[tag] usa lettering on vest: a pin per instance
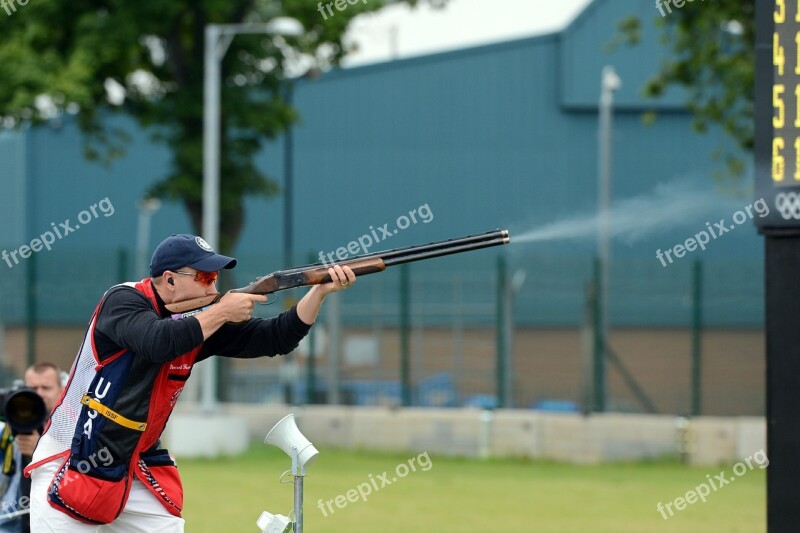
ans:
(87, 427)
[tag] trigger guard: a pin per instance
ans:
(268, 302)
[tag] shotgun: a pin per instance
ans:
(317, 273)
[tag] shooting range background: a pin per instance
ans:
(502, 135)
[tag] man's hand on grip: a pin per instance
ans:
(237, 306)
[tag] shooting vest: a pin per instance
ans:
(104, 437)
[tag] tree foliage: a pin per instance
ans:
(67, 57)
(713, 57)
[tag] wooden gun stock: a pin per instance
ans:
(368, 264)
(360, 267)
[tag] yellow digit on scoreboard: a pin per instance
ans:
(778, 163)
(778, 56)
(777, 102)
(780, 14)
(797, 159)
(797, 42)
(797, 105)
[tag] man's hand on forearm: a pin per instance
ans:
(308, 306)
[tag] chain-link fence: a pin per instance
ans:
(470, 330)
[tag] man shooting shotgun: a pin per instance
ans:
(366, 264)
(135, 360)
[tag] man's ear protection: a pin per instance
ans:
(171, 281)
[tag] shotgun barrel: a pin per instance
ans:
(451, 246)
(378, 261)
(397, 256)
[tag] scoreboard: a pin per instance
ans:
(777, 181)
(777, 112)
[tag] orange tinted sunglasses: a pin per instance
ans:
(206, 278)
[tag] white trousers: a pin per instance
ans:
(142, 514)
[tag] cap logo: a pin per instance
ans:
(203, 244)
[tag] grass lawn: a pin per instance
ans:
(446, 494)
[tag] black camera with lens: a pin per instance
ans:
(22, 409)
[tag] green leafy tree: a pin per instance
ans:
(72, 57)
(713, 57)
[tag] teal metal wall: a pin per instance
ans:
(503, 135)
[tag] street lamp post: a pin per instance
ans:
(610, 83)
(288, 184)
(218, 38)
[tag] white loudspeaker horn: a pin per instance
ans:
(287, 437)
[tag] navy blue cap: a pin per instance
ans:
(178, 251)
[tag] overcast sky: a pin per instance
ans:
(461, 24)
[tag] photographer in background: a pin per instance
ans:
(45, 380)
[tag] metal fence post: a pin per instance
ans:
(311, 383)
(588, 349)
(697, 332)
(405, 316)
(31, 282)
(458, 338)
(500, 333)
(508, 334)
(334, 320)
(600, 344)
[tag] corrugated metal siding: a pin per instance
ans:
(481, 137)
(65, 184)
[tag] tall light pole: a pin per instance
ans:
(288, 187)
(610, 83)
(218, 39)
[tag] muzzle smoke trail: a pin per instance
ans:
(668, 206)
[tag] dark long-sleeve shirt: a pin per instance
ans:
(127, 320)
